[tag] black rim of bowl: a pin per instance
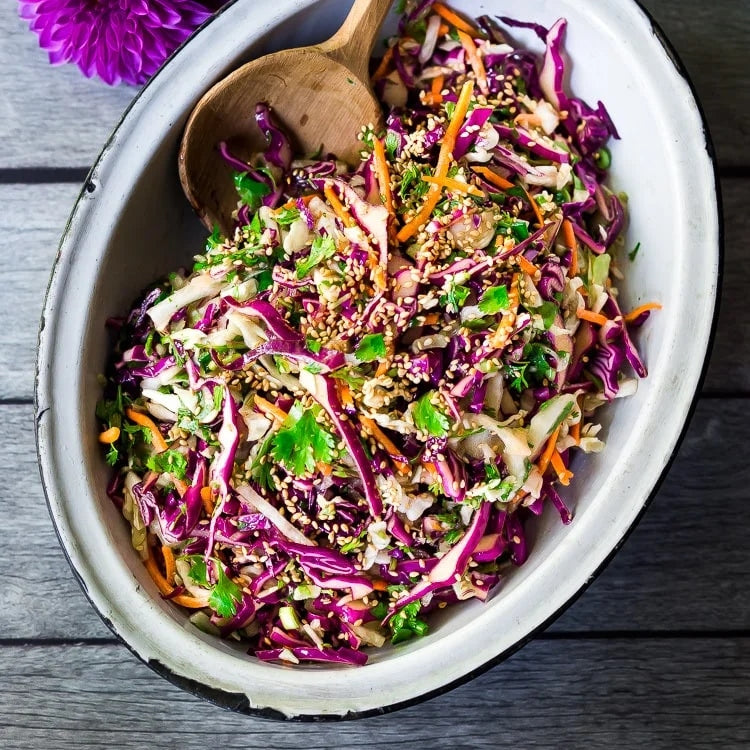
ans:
(239, 702)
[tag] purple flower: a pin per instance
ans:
(121, 41)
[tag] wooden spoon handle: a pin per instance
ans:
(352, 44)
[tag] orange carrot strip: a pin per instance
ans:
(324, 468)
(454, 20)
(563, 474)
(169, 566)
(526, 265)
(592, 317)
(345, 394)
(269, 409)
(383, 175)
(549, 449)
(431, 319)
(436, 90)
(572, 244)
(166, 589)
(444, 160)
(208, 501)
(379, 584)
(472, 55)
(157, 439)
(629, 318)
(372, 427)
(443, 29)
(456, 185)
(109, 436)
(575, 432)
(494, 178)
(534, 208)
(382, 70)
(338, 207)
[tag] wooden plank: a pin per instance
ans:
(663, 694)
(684, 568)
(56, 117)
(34, 216)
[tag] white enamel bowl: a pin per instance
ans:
(132, 224)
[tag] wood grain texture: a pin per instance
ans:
(33, 95)
(572, 694)
(31, 239)
(683, 569)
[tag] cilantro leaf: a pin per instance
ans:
(314, 345)
(168, 462)
(322, 248)
(411, 180)
(516, 371)
(264, 280)
(494, 300)
(251, 191)
(491, 472)
(428, 418)
(112, 455)
(391, 144)
(371, 347)
(286, 216)
(455, 297)
(302, 441)
(547, 311)
(536, 354)
(225, 593)
(215, 240)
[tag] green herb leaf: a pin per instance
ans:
(428, 418)
(264, 280)
(112, 455)
(250, 191)
(491, 472)
(494, 300)
(548, 312)
(371, 347)
(168, 462)
(516, 372)
(455, 297)
(302, 441)
(405, 624)
(215, 240)
(536, 354)
(225, 593)
(260, 469)
(412, 184)
(314, 345)
(634, 252)
(286, 216)
(322, 248)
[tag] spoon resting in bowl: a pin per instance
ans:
(320, 95)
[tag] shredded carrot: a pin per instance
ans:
(563, 474)
(379, 584)
(592, 317)
(575, 432)
(372, 427)
(456, 185)
(307, 198)
(494, 178)
(549, 449)
(527, 118)
(269, 409)
(166, 589)
(534, 208)
(629, 318)
(109, 436)
(453, 19)
(169, 566)
(181, 485)
(338, 207)
(208, 500)
(527, 266)
(444, 160)
(572, 244)
(382, 369)
(384, 177)
(345, 394)
(382, 70)
(431, 319)
(443, 29)
(157, 439)
(436, 90)
(472, 55)
(324, 468)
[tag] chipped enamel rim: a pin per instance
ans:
(480, 637)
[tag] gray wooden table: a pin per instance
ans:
(655, 654)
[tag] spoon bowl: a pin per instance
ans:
(320, 95)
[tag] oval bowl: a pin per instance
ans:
(132, 224)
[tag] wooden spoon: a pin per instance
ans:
(320, 95)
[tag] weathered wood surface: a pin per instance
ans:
(685, 568)
(655, 654)
(55, 117)
(34, 216)
(624, 694)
